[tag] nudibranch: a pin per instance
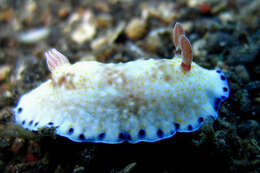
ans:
(142, 100)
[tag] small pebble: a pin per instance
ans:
(34, 35)
(78, 169)
(83, 33)
(253, 85)
(4, 71)
(242, 72)
(98, 43)
(108, 38)
(136, 29)
(246, 127)
(226, 17)
(103, 20)
(163, 11)
(152, 42)
(88, 57)
(216, 42)
(18, 143)
(198, 48)
(102, 6)
(187, 26)
(219, 7)
(257, 99)
(6, 15)
(129, 168)
(63, 13)
(243, 54)
(86, 30)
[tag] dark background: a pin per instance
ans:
(223, 34)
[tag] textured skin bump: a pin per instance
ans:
(143, 100)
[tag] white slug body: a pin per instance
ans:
(142, 100)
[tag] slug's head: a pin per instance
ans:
(30, 104)
(24, 109)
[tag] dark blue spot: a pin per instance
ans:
(128, 137)
(190, 127)
(20, 110)
(101, 136)
(81, 136)
(172, 132)
(177, 126)
(36, 124)
(121, 136)
(23, 122)
(217, 104)
(71, 130)
(200, 119)
(225, 89)
(50, 123)
(223, 77)
(141, 133)
(223, 97)
(124, 136)
(31, 122)
(218, 71)
(159, 133)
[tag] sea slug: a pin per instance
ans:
(142, 100)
